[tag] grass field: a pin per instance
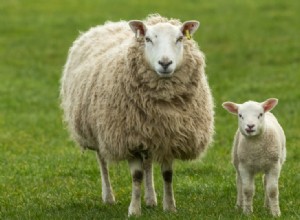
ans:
(252, 50)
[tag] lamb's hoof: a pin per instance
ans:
(151, 202)
(275, 213)
(247, 210)
(134, 211)
(170, 208)
(109, 199)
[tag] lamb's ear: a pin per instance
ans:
(138, 27)
(231, 107)
(269, 104)
(188, 28)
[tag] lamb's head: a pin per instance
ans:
(164, 44)
(251, 115)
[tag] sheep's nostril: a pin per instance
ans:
(166, 64)
(250, 126)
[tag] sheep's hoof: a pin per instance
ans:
(134, 211)
(151, 202)
(275, 212)
(109, 199)
(247, 210)
(170, 208)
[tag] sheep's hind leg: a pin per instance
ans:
(107, 193)
(167, 173)
(136, 170)
(150, 195)
(272, 191)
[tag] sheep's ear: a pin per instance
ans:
(269, 104)
(188, 28)
(231, 107)
(138, 27)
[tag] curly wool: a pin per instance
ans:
(262, 152)
(115, 103)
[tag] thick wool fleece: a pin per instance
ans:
(259, 153)
(115, 103)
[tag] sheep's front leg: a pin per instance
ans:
(107, 193)
(150, 195)
(272, 191)
(239, 200)
(248, 188)
(167, 173)
(266, 203)
(136, 170)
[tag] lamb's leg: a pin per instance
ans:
(136, 170)
(247, 189)
(150, 195)
(167, 173)
(239, 202)
(107, 193)
(266, 204)
(272, 190)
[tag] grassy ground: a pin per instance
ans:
(252, 50)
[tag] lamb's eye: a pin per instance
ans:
(260, 115)
(179, 39)
(240, 116)
(148, 40)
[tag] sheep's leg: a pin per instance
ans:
(167, 173)
(247, 189)
(107, 193)
(136, 170)
(239, 202)
(272, 190)
(266, 203)
(150, 195)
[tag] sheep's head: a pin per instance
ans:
(251, 115)
(164, 44)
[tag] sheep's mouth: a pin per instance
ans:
(165, 73)
(249, 131)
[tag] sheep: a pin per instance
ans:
(137, 91)
(259, 146)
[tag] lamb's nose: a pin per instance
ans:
(165, 64)
(250, 126)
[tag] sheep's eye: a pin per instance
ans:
(260, 115)
(148, 40)
(240, 116)
(179, 39)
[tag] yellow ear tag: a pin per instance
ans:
(187, 34)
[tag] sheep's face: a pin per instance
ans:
(163, 44)
(251, 118)
(251, 115)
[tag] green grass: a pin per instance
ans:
(252, 50)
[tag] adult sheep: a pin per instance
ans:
(137, 91)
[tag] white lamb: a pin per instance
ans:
(137, 91)
(259, 146)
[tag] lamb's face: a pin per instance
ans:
(251, 118)
(251, 115)
(164, 44)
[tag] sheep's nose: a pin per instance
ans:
(165, 64)
(250, 126)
